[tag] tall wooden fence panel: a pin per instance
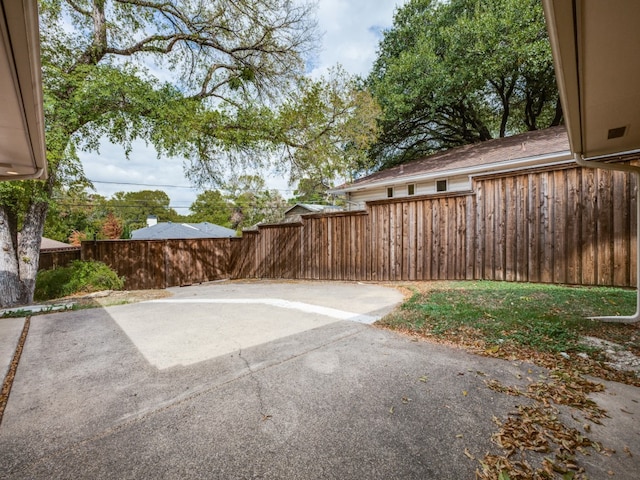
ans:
(156, 264)
(565, 225)
(58, 258)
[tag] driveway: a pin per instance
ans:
(278, 380)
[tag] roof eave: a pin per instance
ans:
(496, 167)
(22, 140)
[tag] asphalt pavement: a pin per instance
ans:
(264, 380)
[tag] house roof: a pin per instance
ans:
(49, 244)
(311, 207)
(169, 230)
(22, 146)
(597, 66)
(518, 151)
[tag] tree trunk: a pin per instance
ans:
(19, 258)
(10, 285)
(29, 248)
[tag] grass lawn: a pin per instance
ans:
(517, 319)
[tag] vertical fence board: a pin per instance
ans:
(620, 228)
(588, 233)
(533, 226)
(481, 226)
(559, 220)
(500, 227)
(546, 225)
(604, 243)
(573, 227)
(633, 222)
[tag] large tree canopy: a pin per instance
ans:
(459, 72)
(181, 75)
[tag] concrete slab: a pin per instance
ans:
(362, 298)
(10, 331)
(325, 398)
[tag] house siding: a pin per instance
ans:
(460, 183)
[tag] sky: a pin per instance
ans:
(351, 32)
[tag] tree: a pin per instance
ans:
(321, 130)
(252, 203)
(213, 207)
(228, 58)
(309, 190)
(112, 227)
(459, 72)
(133, 208)
(74, 210)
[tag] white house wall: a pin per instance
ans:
(358, 199)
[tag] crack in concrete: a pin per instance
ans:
(169, 404)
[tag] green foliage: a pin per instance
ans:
(73, 209)
(134, 207)
(309, 190)
(322, 129)
(79, 277)
(327, 127)
(213, 207)
(548, 318)
(252, 203)
(463, 71)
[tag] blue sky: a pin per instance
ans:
(351, 32)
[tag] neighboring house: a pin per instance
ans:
(56, 254)
(47, 244)
(169, 230)
(293, 213)
(453, 170)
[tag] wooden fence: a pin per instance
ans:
(148, 264)
(60, 257)
(566, 225)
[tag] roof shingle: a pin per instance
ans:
(526, 145)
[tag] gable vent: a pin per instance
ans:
(616, 132)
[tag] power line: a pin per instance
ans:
(107, 207)
(142, 184)
(172, 186)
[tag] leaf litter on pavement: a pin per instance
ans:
(535, 442)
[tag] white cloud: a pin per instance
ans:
(351, 32)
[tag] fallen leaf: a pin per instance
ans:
(405, 400)
(464, 392)
(391, 410)
(493, 349)
(468, 454)
(627, 451)
(423, 379)
(459, 435)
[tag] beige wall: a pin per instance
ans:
(460, 183)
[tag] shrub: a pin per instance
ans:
(78, 277)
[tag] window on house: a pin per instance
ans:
(411, 189)
(441, 186)
(390, 192)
